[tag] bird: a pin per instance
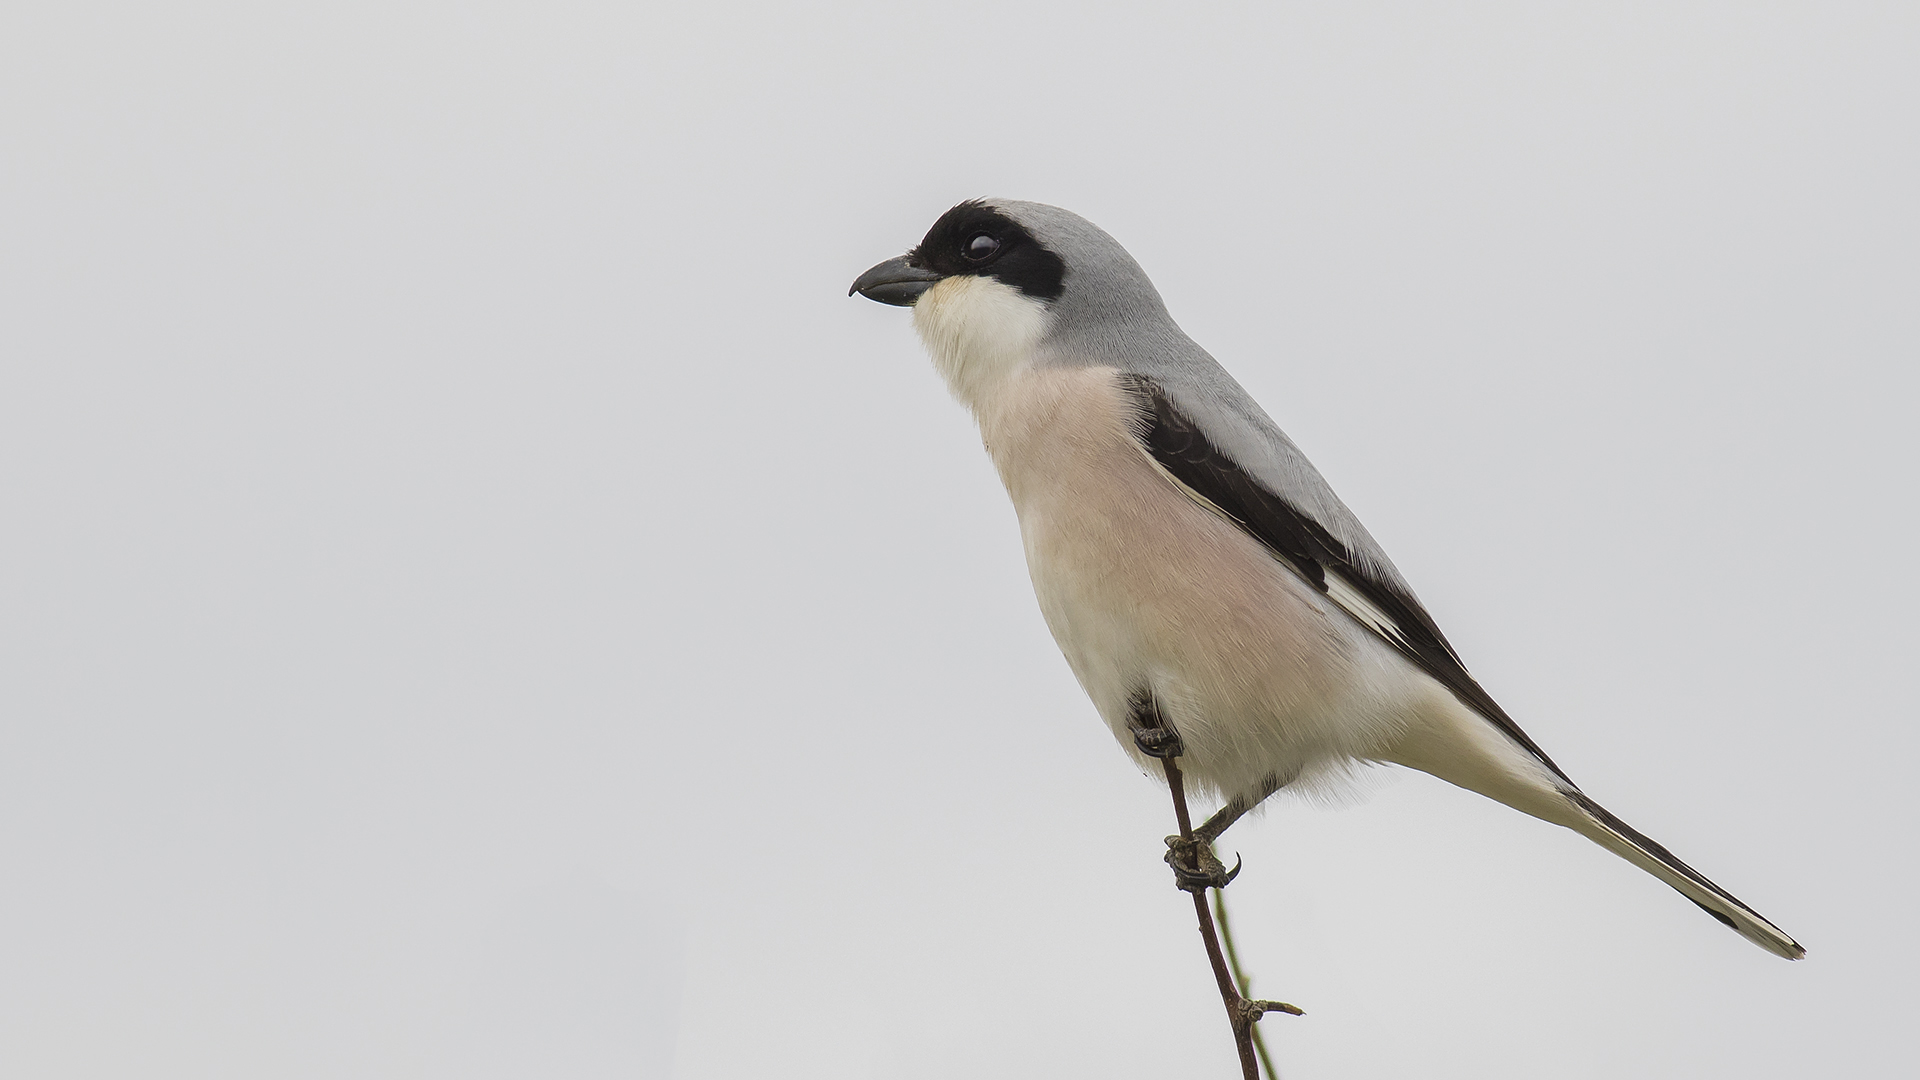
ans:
(1210, 592)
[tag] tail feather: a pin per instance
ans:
(1459, 746)
(1617, 836)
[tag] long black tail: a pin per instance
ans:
(1600, 826)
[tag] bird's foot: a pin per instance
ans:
(1157, 742)
(1195, 867)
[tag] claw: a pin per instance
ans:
(1157, 742)
(1196, 868)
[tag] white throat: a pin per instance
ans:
(980, 331)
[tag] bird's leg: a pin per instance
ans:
(1195, 867)
(1236, 808)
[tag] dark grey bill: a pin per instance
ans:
(895, 282)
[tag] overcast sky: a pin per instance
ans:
(478, 599)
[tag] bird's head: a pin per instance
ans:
(994, 279)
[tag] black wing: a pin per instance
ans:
(1310, 550)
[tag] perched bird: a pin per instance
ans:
(1210, 592)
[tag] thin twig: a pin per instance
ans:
(1238, 1012)
(1242, 979)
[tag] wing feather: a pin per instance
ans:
(1377, 600)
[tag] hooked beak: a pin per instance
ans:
(895, 282)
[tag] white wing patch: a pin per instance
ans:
(1356, 604)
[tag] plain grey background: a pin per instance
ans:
(480, 601)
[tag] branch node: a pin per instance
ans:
(1254, 1010)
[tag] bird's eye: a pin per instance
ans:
(981, 246)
